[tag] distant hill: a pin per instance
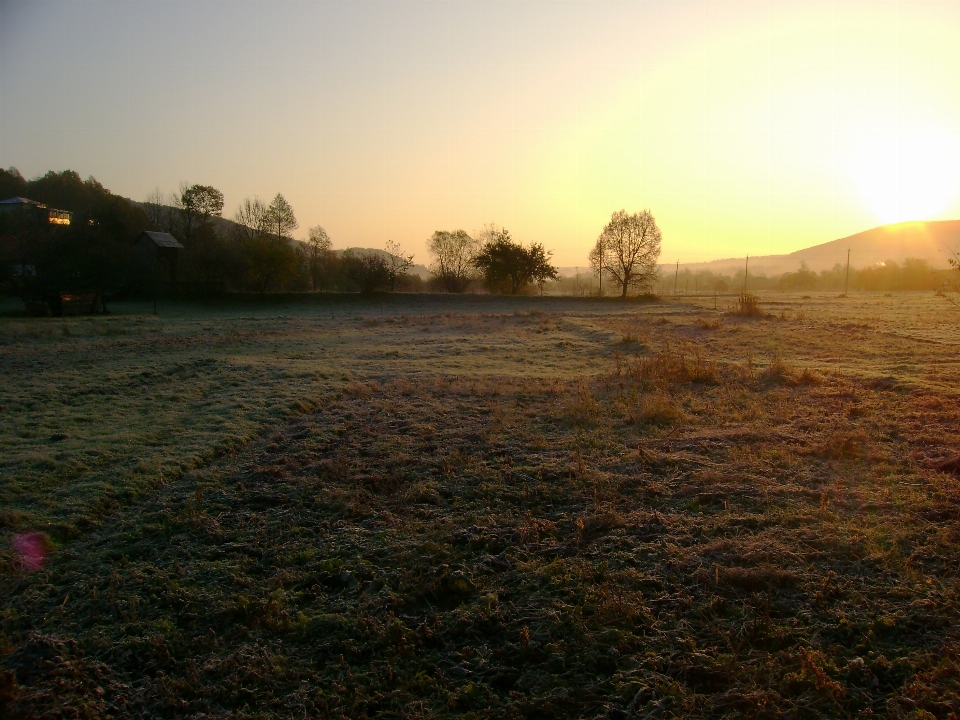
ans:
(933, 241)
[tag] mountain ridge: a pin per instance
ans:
(935, 241)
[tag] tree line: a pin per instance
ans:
(255, 249)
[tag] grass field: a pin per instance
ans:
(485, 507)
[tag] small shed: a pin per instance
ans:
(160, 250)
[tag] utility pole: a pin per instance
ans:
(675, 276)
(746, 270)
(846, 282)
(600, 267)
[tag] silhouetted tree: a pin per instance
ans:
(280, 218)
(507, 266)
(541, 269)
(12, 184)
(397, 263)
(197, 204)
(250, 219)
(158, 213)
(319, 256)
(627, 250)
(207, 258)
(453, 255)
(270, 262)
(368, 271)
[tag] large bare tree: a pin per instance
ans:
(156, 210)
(251, 219)
(627, 250)
(453, 254)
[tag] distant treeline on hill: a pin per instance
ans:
(911, 274)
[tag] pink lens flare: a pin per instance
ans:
(33, 549)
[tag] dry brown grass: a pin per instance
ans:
(490, 535)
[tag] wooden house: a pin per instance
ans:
(160, 251)
(44, 214)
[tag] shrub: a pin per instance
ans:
(747, 305)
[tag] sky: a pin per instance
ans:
(745, 127)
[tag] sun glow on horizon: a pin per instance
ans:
(906, 175)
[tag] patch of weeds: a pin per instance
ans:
(778, 371)
(808, 376)
(747, 306)
(668, 368)
(657, 409)
(845, 445)
(583, 408)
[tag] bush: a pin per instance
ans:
(747, 305)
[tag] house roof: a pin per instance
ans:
(162, 239)
(21, 201)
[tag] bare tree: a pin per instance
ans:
(627, 250)
(397, 263)
(368, 271)
(280, 217)
(156, 210)
(453, 254)
(251, 219)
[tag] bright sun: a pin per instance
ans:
(906, 174)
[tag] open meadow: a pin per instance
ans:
(490, 507)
